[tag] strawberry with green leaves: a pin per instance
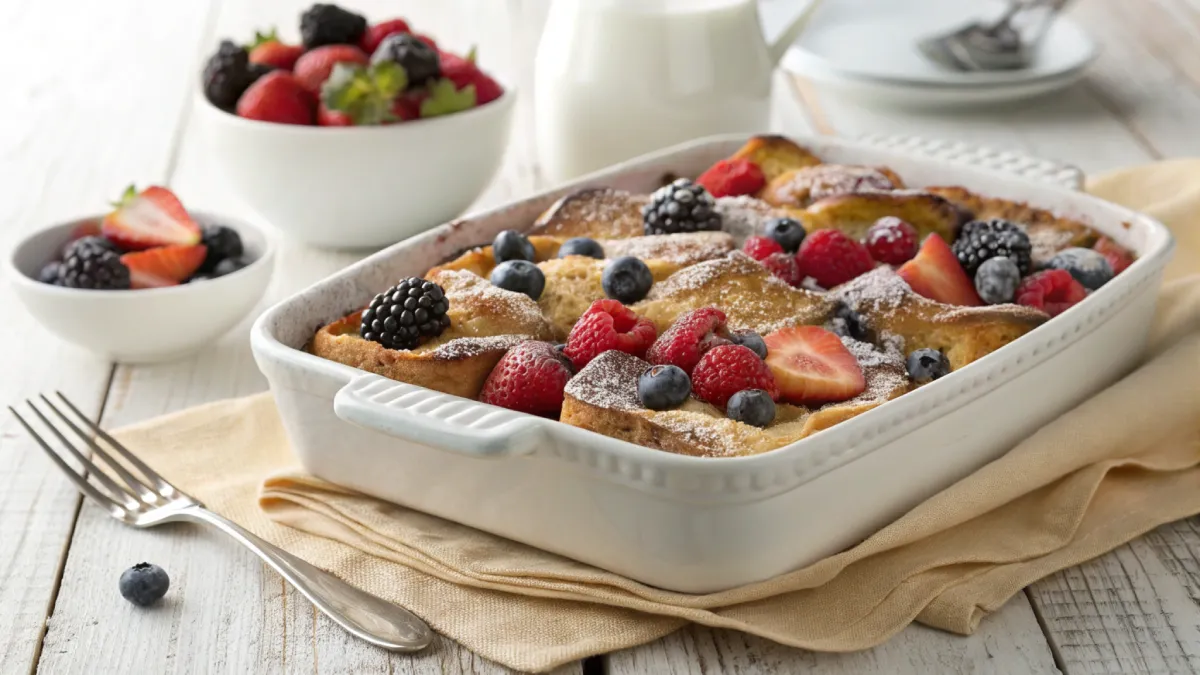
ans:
(268, 50)
(445, 98)
(363, 95)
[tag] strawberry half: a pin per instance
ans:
(163, 266)
(812, 366)
(152, 217)
(935, 273)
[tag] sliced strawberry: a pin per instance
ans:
(163, 266)
(152, 217)
(812, 366)
(936, 274)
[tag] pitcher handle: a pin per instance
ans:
(790, 34)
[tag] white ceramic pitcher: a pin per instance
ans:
(618, 78)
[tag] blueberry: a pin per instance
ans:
(927, 365)
(663, 387)
(849, 323)
(787, 231)
(49, 273)
(997, 280)
(749, 338)
(751, 406)
(1087, 266)
(519, 276)
(144, 584)
(512, 245)
(581, 246)
(221, 243)
(626, 279)
(229, 266)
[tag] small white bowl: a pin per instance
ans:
(360, 187)
(147, 325)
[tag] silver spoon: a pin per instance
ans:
(1007, 43)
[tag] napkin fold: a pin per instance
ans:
(1118, 465)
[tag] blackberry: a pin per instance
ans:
(222, 242)
(324, 24)
(93, 267)
(257, 70)
(400, 316)
(983, 239)
(226, 75)
(420, 61)
(682, 206)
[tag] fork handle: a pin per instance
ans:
(364, 615)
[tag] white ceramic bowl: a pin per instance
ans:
(148, 325)
(360, 187)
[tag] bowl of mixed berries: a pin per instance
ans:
(147, 281)
(360, 135)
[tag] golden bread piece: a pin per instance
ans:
(775, 155)
(751, 297)
(602, 397)
(682, 249)
(481, 261)
(599, 213)
(745, 216)
(890, 308)
(573, 283)
(800, 187)
(484, 322)
(853, 214)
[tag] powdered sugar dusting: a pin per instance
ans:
(475, 302)
(468, 347)
(616, 208)
(681, 249)
(883, 367)
(609, 381)
(1048, 241)
(702, 274)
(827, 180)
(879, 291)
(745, 216)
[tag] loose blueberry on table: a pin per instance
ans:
(144, 584)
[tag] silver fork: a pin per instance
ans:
(1006, 43)
(149, 500)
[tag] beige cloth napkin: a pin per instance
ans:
(1115, 467)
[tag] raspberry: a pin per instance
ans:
(724, 371)
(688, 338)
(529, 378)
(761, 247)
(732, 178)
(1117, 256)
(832, 258)
(785, 267)
(606, 325)
(1053, 291)
(891, 240)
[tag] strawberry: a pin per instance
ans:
(936, 274)
(529, 378)
(733, 178)
(163, 266)
(1117, 256)
(427, 40)
(314, 67)
(278, 97)
(812, 366)
(363, 95)
(464, 72)
(375, 34)
(332, 118)
(152, 217)
(407, 106)
(269, 51)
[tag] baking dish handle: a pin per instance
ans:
(437, 420)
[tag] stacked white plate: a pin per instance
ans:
(867, 49)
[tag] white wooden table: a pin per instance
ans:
(97, 93)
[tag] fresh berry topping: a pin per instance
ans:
(314, 67)
(407, 106)
(606, 325)
(748, 338)
(849, 323)
(583, 246)
(784, 266)
(751, 406)
(891, 241)
(732, 178)
(226, 75)
(360, 95)
(682, 206)
(419, 60)
(92, 241)
(163, 266)
(1090, 268)
(222, 242)
(278, 97)
(401, 316)
(257, 71)
(997, 280)
(813, 366)
(464, 73)
(512, 245)
(229, 266)
(927, 365)
(832, 258)
(152, 217)
(94, 268)
(375, 33)
(144, 584)
(267, 50)
(519, 276)
(761, 247)
(626, 279)
(687, 339)
(1052, 291)
(787, 231)
(727, 369)
(983, 239)
(332, 118)
(324, 24)
(444, 98)
(529, 378)
(663, 387)
(429, 41)
(49, 274)
(1118, 258)
(936, 274)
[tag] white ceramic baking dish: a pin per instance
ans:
(686, 523)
